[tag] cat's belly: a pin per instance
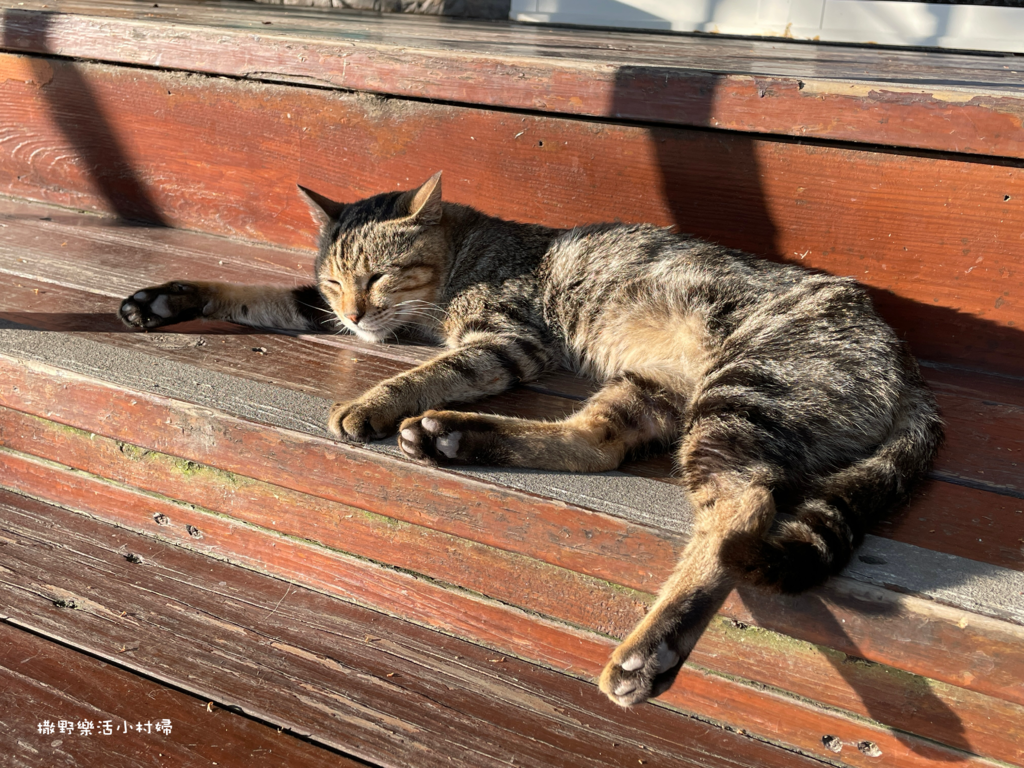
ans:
(667, 347)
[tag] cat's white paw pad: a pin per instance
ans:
(626, 686)
(640, 675)
(448, 444)
(431, 439)
(161, 305)
(633, 663)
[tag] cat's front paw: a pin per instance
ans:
(638, 672)
(161, 305)
(360, 421)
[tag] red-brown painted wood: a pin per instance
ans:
(943, 713)
(985, 440)
(856, 619)
(42, 681)
(985, 421)
(936, 239)
(511, 578)
(347, 674)
(755, 709)
(925, 100)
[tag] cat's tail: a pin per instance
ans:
(803, 552)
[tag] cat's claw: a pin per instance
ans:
(634, 675)
(160, 305)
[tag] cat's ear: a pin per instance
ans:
(323, 210)
(425, 206)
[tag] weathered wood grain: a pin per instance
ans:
(984, 444)
(986, 423)
(943, 713)
(326, 667)
(940, 101)
(855, 619)
(43, 681)
(695, 690)
(934, 238)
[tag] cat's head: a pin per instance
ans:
(382, 259)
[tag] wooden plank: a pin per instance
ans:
(934, 238)
(939, 101)
(725, 697)
(943, 713)
(984, 446)
(984, 442)
(974, 586)
(844, 615)
(986, 420)
(45, 681)
(341, 672)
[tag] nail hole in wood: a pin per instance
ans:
(194, 532)
(870, 749)
(832, 743)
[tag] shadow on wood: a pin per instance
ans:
(76, 113)
(692, 202)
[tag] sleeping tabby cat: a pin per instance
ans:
(780, 389)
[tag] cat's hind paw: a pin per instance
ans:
(161, 305)
(451, 437)
(430, 438)
(635, 675)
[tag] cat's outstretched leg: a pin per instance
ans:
(264, 306)
(647, 661)
(627, 413)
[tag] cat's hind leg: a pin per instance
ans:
(647, 661)
(265, 306)
(626, 414)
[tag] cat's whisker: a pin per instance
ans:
(426, 306)
(424, 315)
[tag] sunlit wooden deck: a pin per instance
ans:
(178, 529)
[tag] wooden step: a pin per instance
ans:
(65, 707)
(342, 677)
(956, 102)
(198, 433)
(936, 237)
(206, 442)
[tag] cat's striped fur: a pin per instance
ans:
(780, 389)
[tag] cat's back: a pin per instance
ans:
(681, 311)
(625, 297)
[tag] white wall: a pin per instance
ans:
(972, 27)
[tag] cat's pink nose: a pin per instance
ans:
(355, 317)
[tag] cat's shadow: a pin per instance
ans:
(107, 322)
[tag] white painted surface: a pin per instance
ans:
(970, 27)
